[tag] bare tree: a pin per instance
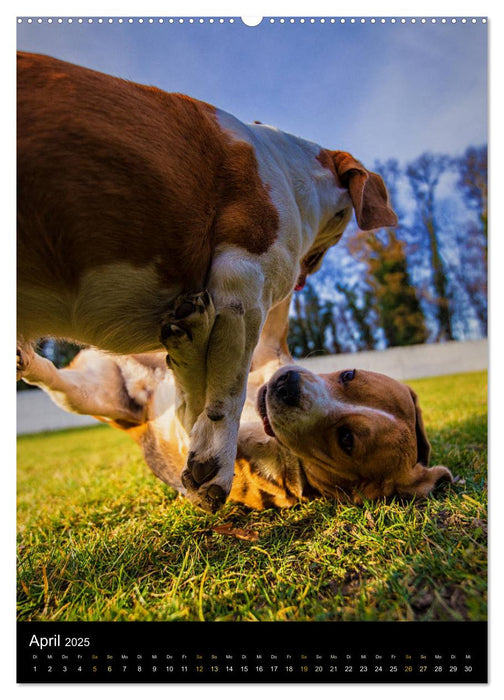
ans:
(424, 175)
(473, 241)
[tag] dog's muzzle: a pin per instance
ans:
(287, 388)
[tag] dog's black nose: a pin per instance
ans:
(287, 387)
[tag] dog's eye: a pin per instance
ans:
(339, 215)
(346, 440)
(347, 376)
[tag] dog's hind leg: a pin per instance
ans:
(24, 358)
(92, 385)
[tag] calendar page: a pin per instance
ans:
(252, 349)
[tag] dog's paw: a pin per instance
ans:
(209, 496)
(184, 317)
(207, 481)
(188, 322)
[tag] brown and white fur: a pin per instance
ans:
(348, 435)
(129, 198)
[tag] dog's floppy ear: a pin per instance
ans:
(367, 191)
(422, 479)
(423, 444)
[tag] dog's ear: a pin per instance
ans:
(423, 444)
(421, 480)
(367, 191)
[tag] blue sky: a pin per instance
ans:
(378, 91)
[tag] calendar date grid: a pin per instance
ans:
(165, 663)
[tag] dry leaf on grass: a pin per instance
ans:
(240, 533)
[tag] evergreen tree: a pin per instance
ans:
(395, 299)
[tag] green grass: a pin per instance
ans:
(100, 538)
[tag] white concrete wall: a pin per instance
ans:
(36, 412)
(411, 362)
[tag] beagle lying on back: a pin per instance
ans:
(351, 434)
(129, 198)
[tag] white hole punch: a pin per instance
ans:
(252, 21)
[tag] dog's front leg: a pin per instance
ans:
(210, 466)
(238, 321)
(185, 331)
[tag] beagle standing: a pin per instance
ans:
(129, 198)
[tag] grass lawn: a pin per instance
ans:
(100, 538)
